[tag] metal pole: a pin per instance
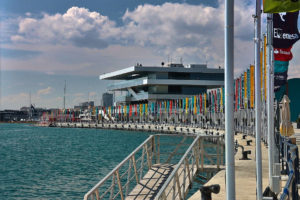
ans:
(270, 100)
(229, 82)
(257, 41)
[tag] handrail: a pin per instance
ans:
(195, 154)
(86, 196)
(126, 175)
(290, 156)
(170, 178)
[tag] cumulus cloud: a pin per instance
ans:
(192, 32)
(45, 91)
(78, 26)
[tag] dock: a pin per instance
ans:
(245, 173)
(152, 171)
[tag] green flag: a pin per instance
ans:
(277, 6)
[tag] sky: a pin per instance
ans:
(45, 43)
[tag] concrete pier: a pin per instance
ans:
(160, 128)
(245, 171)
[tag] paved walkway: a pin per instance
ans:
(245, 173)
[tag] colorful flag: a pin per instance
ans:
(252, 86)
(277, 6)
(285, 29)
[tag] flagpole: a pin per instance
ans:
(257, 42)
(270, 100)
(229, 92)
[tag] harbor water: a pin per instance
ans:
(57, 163)
(60, 163)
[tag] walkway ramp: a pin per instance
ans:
(162, 167)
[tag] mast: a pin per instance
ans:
(65, 88)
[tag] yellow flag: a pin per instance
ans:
(265, 66)
(205, 103)
(252, 86)
(186, 105)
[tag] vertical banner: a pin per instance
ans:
(236, 94)
(285, 34)
(277, 6)
(252, 86)
(245, 90)
(261, 75)
(186, 105)
(265, 67)
(204, 103)
(248, 88)
(221, 99)
(195, 105)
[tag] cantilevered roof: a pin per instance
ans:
(140, 71)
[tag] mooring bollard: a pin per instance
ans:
(249, 142)
(207, 190)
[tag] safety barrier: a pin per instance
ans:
(157, 151)
(290, 166)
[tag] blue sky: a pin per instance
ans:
(46, 42)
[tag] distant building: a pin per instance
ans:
(84, 105)
(13, 115)
(107, 99)
(148, 84)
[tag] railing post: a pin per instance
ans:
(148, 156)
(174, 188)
(154, 149)
(184, 177)
(120, 185)
(178, 186)
(142, 163)
(158, 149)
(97, 195)
(188, 170)
(128, 178)
(202, 154)
(112, 187)
(135, 170)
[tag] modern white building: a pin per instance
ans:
(152, 83)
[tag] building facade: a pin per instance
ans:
(151, 83)
(107, 99)
(84, 105)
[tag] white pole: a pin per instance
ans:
(270, 100)
(257, 41)
(229, 82)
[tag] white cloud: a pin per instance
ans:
(149, 34)
(78, 26)
(45, 91)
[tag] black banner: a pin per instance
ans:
(280, 79)
(285, 29)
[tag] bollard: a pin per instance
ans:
(207, 190)
(249, 142)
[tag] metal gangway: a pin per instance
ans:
(162, 167)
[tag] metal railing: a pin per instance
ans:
(178, 183)
(290, 159)
(111, 187)
(159, 149)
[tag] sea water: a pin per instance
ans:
(60, 163)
